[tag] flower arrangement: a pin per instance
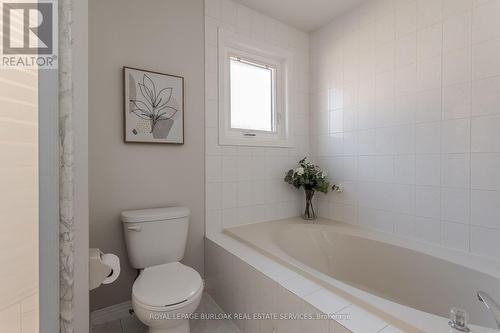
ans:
(311, 178)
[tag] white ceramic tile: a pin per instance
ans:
(485, 134)
(313, 324)
(456, 7)
(366, 169)
(281, 274)
(403, 200)
(428, 230)
(455, 170)
(457, 31)
(486, 59)
(429, 103)
(455, 136)
(337, 327)
(362, 321)
(213, 221)
(384, 169)
(229, 168)
(229, 195)
(405, 105)
(366, 142)
(384, 54)
(486, 21)
(455, 236)
(429, 73)
(486, 96)
(213, 196)
(457, 66)
(326, 301)
(393, 329)
(428, 12)
(289, 303)
(405, 169)
(384, 140)
(457, 101)
(404, 139)
(404, 225)
(485, 171)
(384, 28)
(229, 218)
(406, 17)
(406, 79)
(212, 8)
(428, 202)
(300, 286)
(485, 208)
(406, 51)
(428, 169)
(485, 242)
(455, 205)
(428, 138)
(430, 42)
(213, 167)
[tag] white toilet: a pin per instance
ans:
(166, 292)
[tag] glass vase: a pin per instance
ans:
(309, 213)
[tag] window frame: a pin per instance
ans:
(274, 93)
(232, 45)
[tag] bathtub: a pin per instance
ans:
(405, 281)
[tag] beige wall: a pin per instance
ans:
(160, 35)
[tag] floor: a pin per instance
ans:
(207, 305)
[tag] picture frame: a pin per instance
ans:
(153, 107)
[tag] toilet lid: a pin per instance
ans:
(166, 284)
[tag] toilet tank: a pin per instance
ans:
(155, 236)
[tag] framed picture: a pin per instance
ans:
(154, 107)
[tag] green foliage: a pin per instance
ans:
(308, 176)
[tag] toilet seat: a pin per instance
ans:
(167, 287)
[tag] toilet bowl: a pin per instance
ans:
(164, 297)
(166, 293)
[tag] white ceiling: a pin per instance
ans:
(306, 15)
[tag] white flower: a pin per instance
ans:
(322, 174)
(338, 188)
(299, 171)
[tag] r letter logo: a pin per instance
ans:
(29, 34)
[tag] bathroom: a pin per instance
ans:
(253, 166)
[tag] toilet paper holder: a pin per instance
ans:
(103, 268)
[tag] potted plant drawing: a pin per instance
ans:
(157, 106)
(310, 177)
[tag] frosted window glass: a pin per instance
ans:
(251, 96)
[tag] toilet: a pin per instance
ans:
(166, 292)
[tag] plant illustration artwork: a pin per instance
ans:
(153, 107)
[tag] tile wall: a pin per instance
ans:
(405, 112)
(245, 184)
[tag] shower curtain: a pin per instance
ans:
(66, 190)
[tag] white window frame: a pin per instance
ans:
(232, 45)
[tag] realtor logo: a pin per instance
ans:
(29, 34)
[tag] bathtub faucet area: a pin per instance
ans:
(490, 305)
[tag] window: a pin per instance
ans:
(253, 93)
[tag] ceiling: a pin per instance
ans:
(306, 15)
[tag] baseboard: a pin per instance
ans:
(111, 313)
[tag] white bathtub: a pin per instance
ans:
(406, 281)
